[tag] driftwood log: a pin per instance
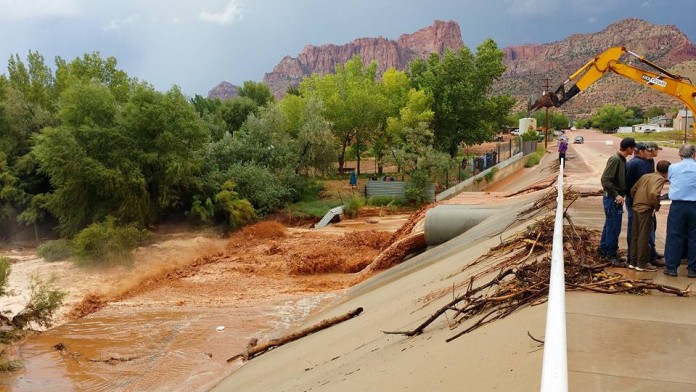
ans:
(254, 349)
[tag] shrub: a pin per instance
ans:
(416, 190)
(388, 201)
(265, 191)
(201, 211)
(55, 250)
(238, 212)
(311, 209)
(5, 268)
(535, 157)
(44, 301)
(106, 242)
(351, 208)
(490, 176)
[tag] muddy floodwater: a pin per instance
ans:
(130, 347)
(188, 303)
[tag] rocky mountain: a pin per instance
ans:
(388, 53)
(529, 67)
(224, 90)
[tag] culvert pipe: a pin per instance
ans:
(444, 222)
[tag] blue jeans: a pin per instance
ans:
(613, 213)
(681, 232)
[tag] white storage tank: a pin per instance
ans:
(527, 124)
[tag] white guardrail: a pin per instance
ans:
(554, 372)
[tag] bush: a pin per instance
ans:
(5, 268)
(55, 250)
(201, 211)
(238, 212)
(535, 157)
(416, 191)
(351, 208)
(490, 176)
(533, 160)
(106, 242)
(265, 191)
(382, 201)
(311, 209)
(44, 301)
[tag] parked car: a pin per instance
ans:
(557, 132)
(515, 132)
(579, 140)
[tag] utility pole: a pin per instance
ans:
(686, 121)
(546, 127)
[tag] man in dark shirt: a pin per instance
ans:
(614, 186)
(635, 169)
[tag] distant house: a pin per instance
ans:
(684, 120)
(648, 128)
(661, 121)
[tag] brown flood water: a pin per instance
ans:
(129, 347)
(163, 336)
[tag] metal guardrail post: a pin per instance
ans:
(554, 373)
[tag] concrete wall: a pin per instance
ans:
(473, 184)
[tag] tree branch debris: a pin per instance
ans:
(522, 265)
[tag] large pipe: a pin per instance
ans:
(444, 222)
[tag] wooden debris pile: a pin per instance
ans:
(521, 266)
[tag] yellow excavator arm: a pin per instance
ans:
(608, 61)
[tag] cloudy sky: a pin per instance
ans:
(197, 44)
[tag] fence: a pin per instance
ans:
(392, 189)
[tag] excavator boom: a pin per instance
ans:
(608, 61)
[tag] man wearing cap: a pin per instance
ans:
(653, 148)
(681, 220)
(614, 186)
(635, 169)
(646, 201)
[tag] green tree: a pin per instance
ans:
(352, 102)
(314, 146)
(416, 156)
(168, 140)
(34, 81)
(461, 86)
(92, 68)
(236, 110)
(258, 92)
(611, 117)
(654, 112)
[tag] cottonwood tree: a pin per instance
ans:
(461, 86)
(352, 102)
(611, 117)
(257, 92)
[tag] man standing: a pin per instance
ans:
(646, 201)
(562, 148)
(635, 169)
(681, 220)
(657, 258)
(614, 185)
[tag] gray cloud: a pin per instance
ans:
(231, 13)
(33, 9)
